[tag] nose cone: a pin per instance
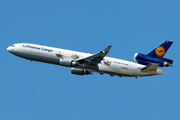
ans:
(10, 49)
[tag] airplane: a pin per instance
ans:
(85, 63)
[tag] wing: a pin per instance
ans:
(150, 68)
(93, 60)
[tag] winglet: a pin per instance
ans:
(108, 48)
(150, 68)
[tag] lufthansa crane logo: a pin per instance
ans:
(160, 51)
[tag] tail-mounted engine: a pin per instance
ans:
(146, 60)
(77, 71)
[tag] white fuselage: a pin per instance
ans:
(53, 55)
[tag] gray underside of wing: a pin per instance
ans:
(94, 59)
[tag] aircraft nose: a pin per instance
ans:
(10, 49)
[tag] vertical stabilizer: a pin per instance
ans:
(160, 50)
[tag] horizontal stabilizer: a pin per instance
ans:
(150, 68)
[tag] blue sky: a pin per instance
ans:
(34, 90)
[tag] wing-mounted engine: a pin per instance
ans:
(77, 71)
(67, 62)
(146, 60)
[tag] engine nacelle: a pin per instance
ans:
(146, 60)
(66, 62)
(77, 71)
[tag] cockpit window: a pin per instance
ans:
(13, 45)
